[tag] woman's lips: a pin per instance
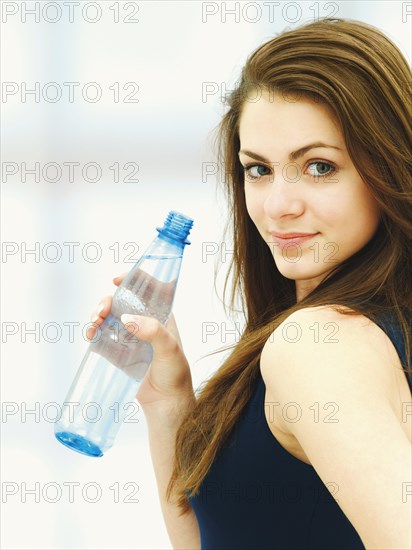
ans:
(283, 242)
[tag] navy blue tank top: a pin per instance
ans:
(257, 496)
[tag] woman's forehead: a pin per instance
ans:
(281, 120)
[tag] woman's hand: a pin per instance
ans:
(168, 377)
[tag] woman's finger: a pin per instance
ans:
(169, 370)
(117, 280)
(172, 327)
(99, 315)
(164, 344)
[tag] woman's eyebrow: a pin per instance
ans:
(294, 154)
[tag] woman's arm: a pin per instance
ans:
(164, 414)
(361, 451)
(162, 426)
(165, 394)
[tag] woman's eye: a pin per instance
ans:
(321, 168)
(256, 171)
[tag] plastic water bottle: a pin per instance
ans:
(106, 383)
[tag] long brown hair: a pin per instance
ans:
(353, 68)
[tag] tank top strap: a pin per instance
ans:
(390, 325)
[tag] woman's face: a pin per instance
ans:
(299, 178)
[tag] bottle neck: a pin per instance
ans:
(169, 237)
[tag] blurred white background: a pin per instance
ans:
(176, 58)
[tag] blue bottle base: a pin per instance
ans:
(78, 443)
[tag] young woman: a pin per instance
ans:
(302, 437)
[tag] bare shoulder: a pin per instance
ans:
(323, 347)
(326, 325)
(338, 396)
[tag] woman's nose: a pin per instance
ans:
(284, 194)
